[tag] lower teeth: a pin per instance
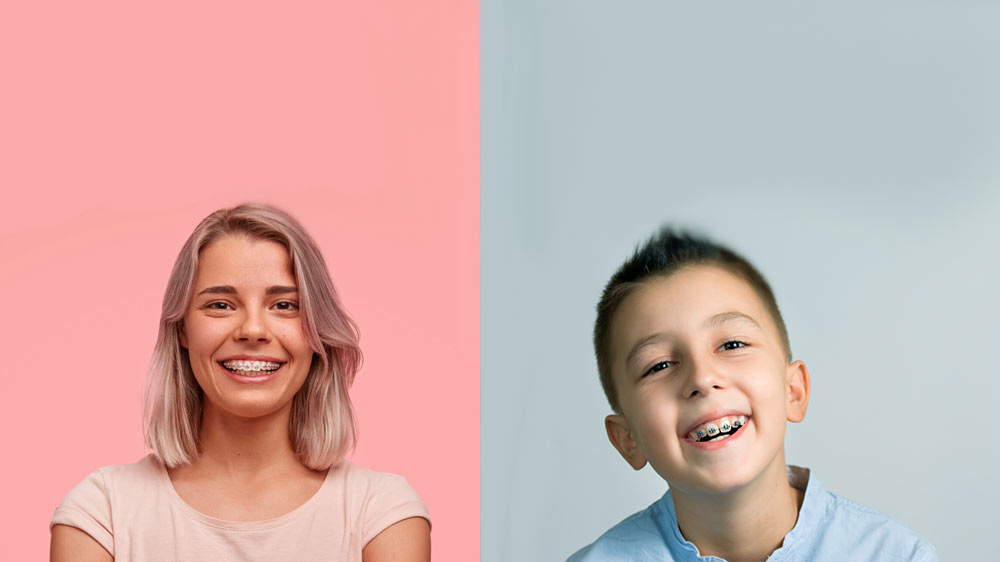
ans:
(719, 437)
(253, 373)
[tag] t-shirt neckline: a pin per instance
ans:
(292, 515)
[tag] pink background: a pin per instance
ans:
(122, 126)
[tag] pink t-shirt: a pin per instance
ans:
(133, 511)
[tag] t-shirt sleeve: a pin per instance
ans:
(392, 501)
(88, 508)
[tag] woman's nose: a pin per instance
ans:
(253, 328)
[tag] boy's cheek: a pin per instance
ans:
(656, 435)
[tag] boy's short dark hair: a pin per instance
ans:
(663, 255)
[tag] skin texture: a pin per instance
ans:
(694, 344)
(247, 470)
(219, 325)
(69, 544)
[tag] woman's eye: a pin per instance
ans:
(287, 305)
(217, 305)
(731, 345)
(658, 367)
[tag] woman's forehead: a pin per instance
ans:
(243, 261)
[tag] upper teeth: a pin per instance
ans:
(251, 365)
(717, 427)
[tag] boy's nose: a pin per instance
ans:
(702, 379)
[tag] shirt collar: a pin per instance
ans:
(813, 507)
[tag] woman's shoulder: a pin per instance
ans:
(364, 482)
(89, 505)
(355, 473)
(379, 498)
(131, 477)
(110, 478)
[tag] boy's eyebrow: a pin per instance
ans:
(230, 290)
(723, 317)
(716, 320)
(648, 340)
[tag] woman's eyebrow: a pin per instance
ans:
(230, 290)
(281, 289)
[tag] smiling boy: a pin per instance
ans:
(695, 361)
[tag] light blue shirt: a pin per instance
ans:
(829, 528)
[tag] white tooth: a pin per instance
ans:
(257, 365)
(712, 429)
(725, 423)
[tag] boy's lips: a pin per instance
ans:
(713, 415)
(720, 443)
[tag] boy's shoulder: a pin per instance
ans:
(637, 537)
(829, 527)
(859, 531)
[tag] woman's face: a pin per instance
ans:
(243, 330)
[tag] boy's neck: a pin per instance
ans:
(745, 525)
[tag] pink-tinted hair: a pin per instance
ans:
(322, 426)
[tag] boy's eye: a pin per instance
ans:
(659, 367)
(731, 345)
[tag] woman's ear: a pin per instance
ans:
(183, 335)
(797, 387)
(621, 437)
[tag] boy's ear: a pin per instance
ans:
(797, 385)
(621, 437)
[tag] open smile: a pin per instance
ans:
(251, 372)
(717, 433)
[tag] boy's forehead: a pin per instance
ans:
(689, 301)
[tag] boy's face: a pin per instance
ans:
(693, 352)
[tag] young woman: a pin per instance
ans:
(248, 417)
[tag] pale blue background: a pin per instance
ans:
(851, 150)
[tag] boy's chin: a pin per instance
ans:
(720, 481)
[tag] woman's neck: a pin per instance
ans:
(744, 525)
(244, 449)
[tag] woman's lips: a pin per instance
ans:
(256, 379)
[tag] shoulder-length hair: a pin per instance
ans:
(321, 426)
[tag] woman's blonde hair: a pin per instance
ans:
(322, 426)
